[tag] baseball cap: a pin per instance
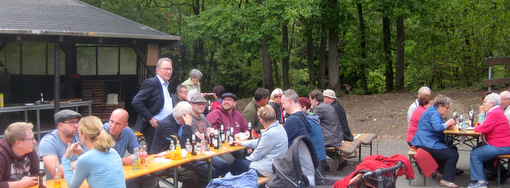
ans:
(198, 99)
(229, 95)
(329, 93)
(63, 115)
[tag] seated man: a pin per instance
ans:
(332, 131)
(330, 98)
(53, 145)
(260, 98)
(18, 160)
(178, 124)
(296, 124)
(125, 139)
(228, 116)
(180, 95)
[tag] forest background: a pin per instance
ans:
(351, 46)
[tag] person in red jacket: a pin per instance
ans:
(425, 102)
(496, 130)
(19, 163)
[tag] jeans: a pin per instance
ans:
(446, 159)
(241, 166)
(480, 155)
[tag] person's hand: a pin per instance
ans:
(187, 119)
(481, 109)
(450, 123)
(70, 147)
(154, 122)
(78, 150)
(237, 142)
(27, 181)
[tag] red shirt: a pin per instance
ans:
(235, 118)
(496, 128)
(413, 123)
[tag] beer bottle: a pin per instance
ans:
(249, 130)
(211, 139)
(42, 174)
(216, 141)
(232, 136)
(471, 118)
(222, 134)
(193, 145)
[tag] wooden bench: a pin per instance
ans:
(491, 61)
(366, 140)
(139, 137)
(262, 181)
(503, 159)
(411, 154)
(347, 147)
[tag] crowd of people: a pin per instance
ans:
(425, 131)
(83, 148)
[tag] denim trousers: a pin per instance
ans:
(446, 159)
(482, 154)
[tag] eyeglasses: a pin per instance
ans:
(29, 139)
(279, 96)
(71, 122)
(167, 69)
(447, 107)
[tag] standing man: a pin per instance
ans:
(250, 112)
(330, 98)
(180, 95)
(422, 90)
(153, 102)
(53, 145)
(505, 102)
(19, 163)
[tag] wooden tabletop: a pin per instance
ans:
(63, 184)
(129, 173)
(457, 132)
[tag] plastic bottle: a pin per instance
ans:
(178, 151)
(172, 149)
(144, 156)
(42, 175)
(2, 100)
(462, 123)
(188, 147)
(134, 164)
(56, 179)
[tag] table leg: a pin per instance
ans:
(176, 182)
(209, 167)
(38, 114)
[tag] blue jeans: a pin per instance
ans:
(241, 166)
(480, 155)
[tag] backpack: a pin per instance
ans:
(298, 167)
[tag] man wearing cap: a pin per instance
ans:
(261, 98)
(330, 98)
(227, 115)
(54, 145)
(153, 102)
(18, 159)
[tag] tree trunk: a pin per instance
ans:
(322, 58)
(310, 56)
(362, 46)
(266, 66)
(387, 54)
(399, 66)
(334, 81)
(285, 59)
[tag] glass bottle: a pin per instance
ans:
(250, 131)
(216, 140)
(188, 147)
(56, 179)
(135, 159)
(232, 136)
(193, 145)
(222, 134)
(41, 175)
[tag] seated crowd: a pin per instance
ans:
(83, 148)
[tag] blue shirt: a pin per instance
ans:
(52, 145)
(126, 141)
(99, 168)
(430, 130)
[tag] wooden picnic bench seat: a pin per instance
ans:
(347, 147)
(262, 180)
(139, 137)
(503, 159)
(366, 140)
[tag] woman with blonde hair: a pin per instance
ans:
(276, 102)
(101, 165)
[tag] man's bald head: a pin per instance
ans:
(118, 122)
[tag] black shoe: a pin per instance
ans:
(458, 172)
(341, 166)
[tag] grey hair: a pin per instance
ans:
(276, 91)
(442, 100)
(291, 94)
(182, 108)
(493, 98)
(423, 90)
(195, 73)
(161, 60)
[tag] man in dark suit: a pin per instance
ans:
(153, 102)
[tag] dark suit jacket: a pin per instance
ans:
(148, 102)
(167, 127)
(340, 112)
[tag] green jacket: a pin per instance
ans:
(250, 114)
(189, 85)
